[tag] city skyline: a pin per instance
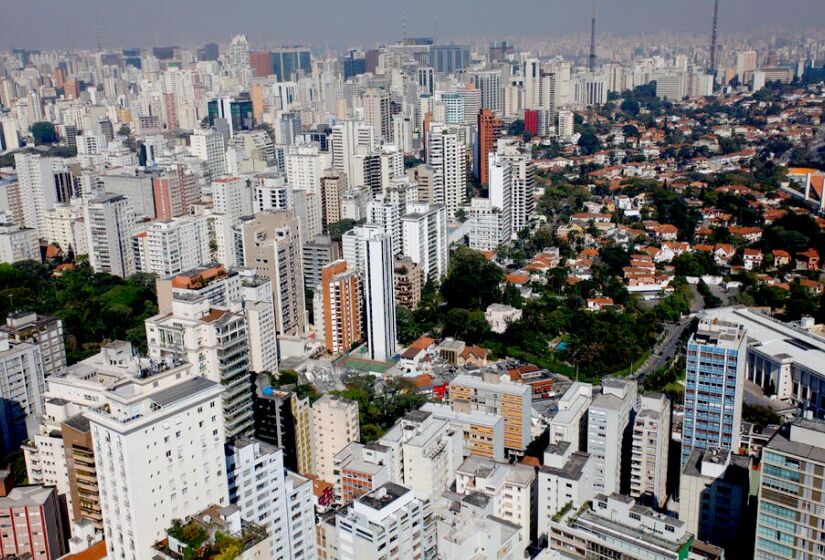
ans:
(86, 24)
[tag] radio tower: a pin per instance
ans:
(713, 38)
(592, 61)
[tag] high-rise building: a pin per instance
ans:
(714, 488)
(424, 231)
(338, 315)
(523, 184)
(511, 487)
(377, 112)
(17, 243)
(715, 370)
(790, 519)
(159, 455)
(449, 59)
(426, 452)
(489, 83)
(261, 63)
(110, 223)
(213, 339)
(369, 249)
(333, 185)
(348, 139)
(409, 282)
(746, 63)
(609, 433)
(499, 175)
(289, 517)
(21, 388)
(564, 481)
(236, 113)
(651, 441)
(489, 130)
(512, 401)
(32, 523)
(271, 242)
(447, 157)
(60, 452)
(334, 426)
(43, 331)
(289, 62)
(44, 182)
(390, 519)
(304, 168)
(570, 421)
(486, 225)
(169, 247)
(208, 145)
(284, 420)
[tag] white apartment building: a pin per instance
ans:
(84, 385)
(159, 456)
(501, 193)
(424, 231)
(512, 487)
(304, 167)
(651, 441)
(21, 391)
(381, 211)
(212, 339)
(348, 139)
(267, 494)
(570, 421)
(65, 227)
(486, 225)
(369, 249)
(259, 312)
(389, 522)
(334, 425)
(110, 223)
(17, 243)
(173, 246)
(608, 417)
(426, 452)
(469, 528)
(207, 145)
(43, 183)
(565, 481)
(447, 157)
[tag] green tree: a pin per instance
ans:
(589, 143)
(472, 282)
(44, 133)
(406, 328)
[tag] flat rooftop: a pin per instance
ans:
(775, 338)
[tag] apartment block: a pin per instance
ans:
(159, 456)
(714, 388)
(511, 401)
(334, 426)
(651, 441)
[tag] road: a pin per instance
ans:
(666, 348)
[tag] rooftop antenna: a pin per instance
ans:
(592, 59)
(713, 38)
(403, 19)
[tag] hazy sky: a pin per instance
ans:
(78, 23)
